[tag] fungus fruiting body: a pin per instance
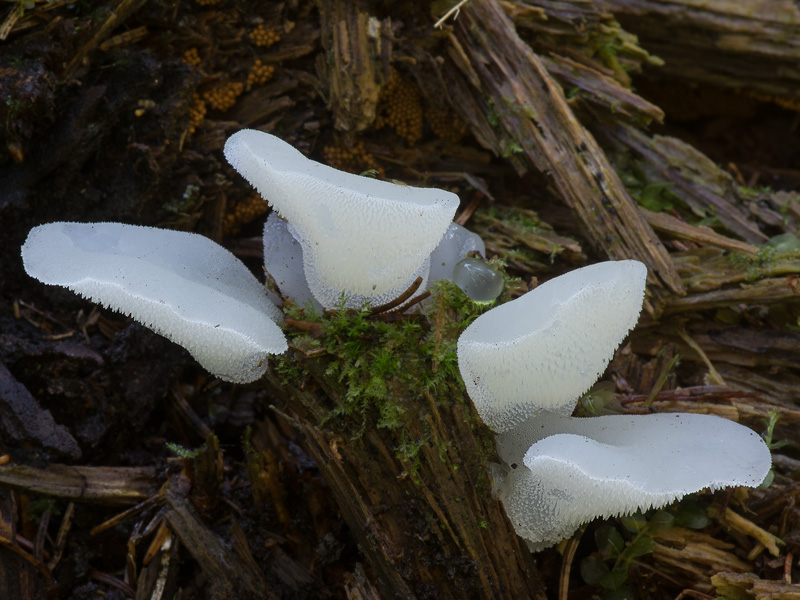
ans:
(283, 260)
(573, 470)
(547, 347)
(181, 285)
(526, 363)
(360, 237)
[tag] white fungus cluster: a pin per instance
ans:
(346, 234)
(526, 363)
(623, 464)
(181, 285)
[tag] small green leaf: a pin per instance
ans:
(634, 523)
(692, 516)
(767, 480)
(614, 579)
(661, 521)
(609, 541)
(639, 547)
(592, 569)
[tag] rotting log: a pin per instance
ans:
(743, 44)
(737, 585)
(503, 90)
(110, 486)
(229, 569)
(357, 62)
(601, 89)
(694, 178)
(438, 532)
(410, 476)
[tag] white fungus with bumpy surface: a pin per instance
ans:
(360, 236)
(569, 471)
(547, 347)
(181, 285)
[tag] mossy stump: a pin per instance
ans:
(385, 416)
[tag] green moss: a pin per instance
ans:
(525, 220)
(779, 256)
(385, 372)
(184, 452)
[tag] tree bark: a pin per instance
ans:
(427, 523)
(747, 44)
(516, 108)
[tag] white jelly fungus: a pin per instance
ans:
(547, 347)
(360, 236)
(569, 470)
(479, 280)
(181, 285)
(524, 365)
(455, 245)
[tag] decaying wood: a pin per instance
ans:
(505, 236)
(436, 528)
(730, 519)
(748, 44)
(539, 85)
(692, 554)
(111, 486)
(229, 570)
(515, 107)
(705, 188)
(775, 290)
(120, 12)
(739, 586)
(359, 54)
(358, 587)
(678, 229)
(158, 578)
(23, 421)
(706, 269)
(601, 89)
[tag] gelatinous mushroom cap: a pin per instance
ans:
(362, 236)
(547, 347)
(581, 469)
(181, 285)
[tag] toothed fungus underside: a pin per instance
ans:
(526, 363)
(367, 238)
(181, 285)
(574, 470)
(547, 347)
(283, 260)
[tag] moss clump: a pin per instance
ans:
(779, 256)
(385, 371)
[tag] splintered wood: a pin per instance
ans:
(515, 107)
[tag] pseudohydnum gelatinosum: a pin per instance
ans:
(526, 363)
(361, 237)
(181, 285)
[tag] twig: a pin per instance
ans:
(469, 209)
(405, 307)
(566, 564)
(399, 300)
(713, 374)
(662, 379)
(456, 9)
(304, 325)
